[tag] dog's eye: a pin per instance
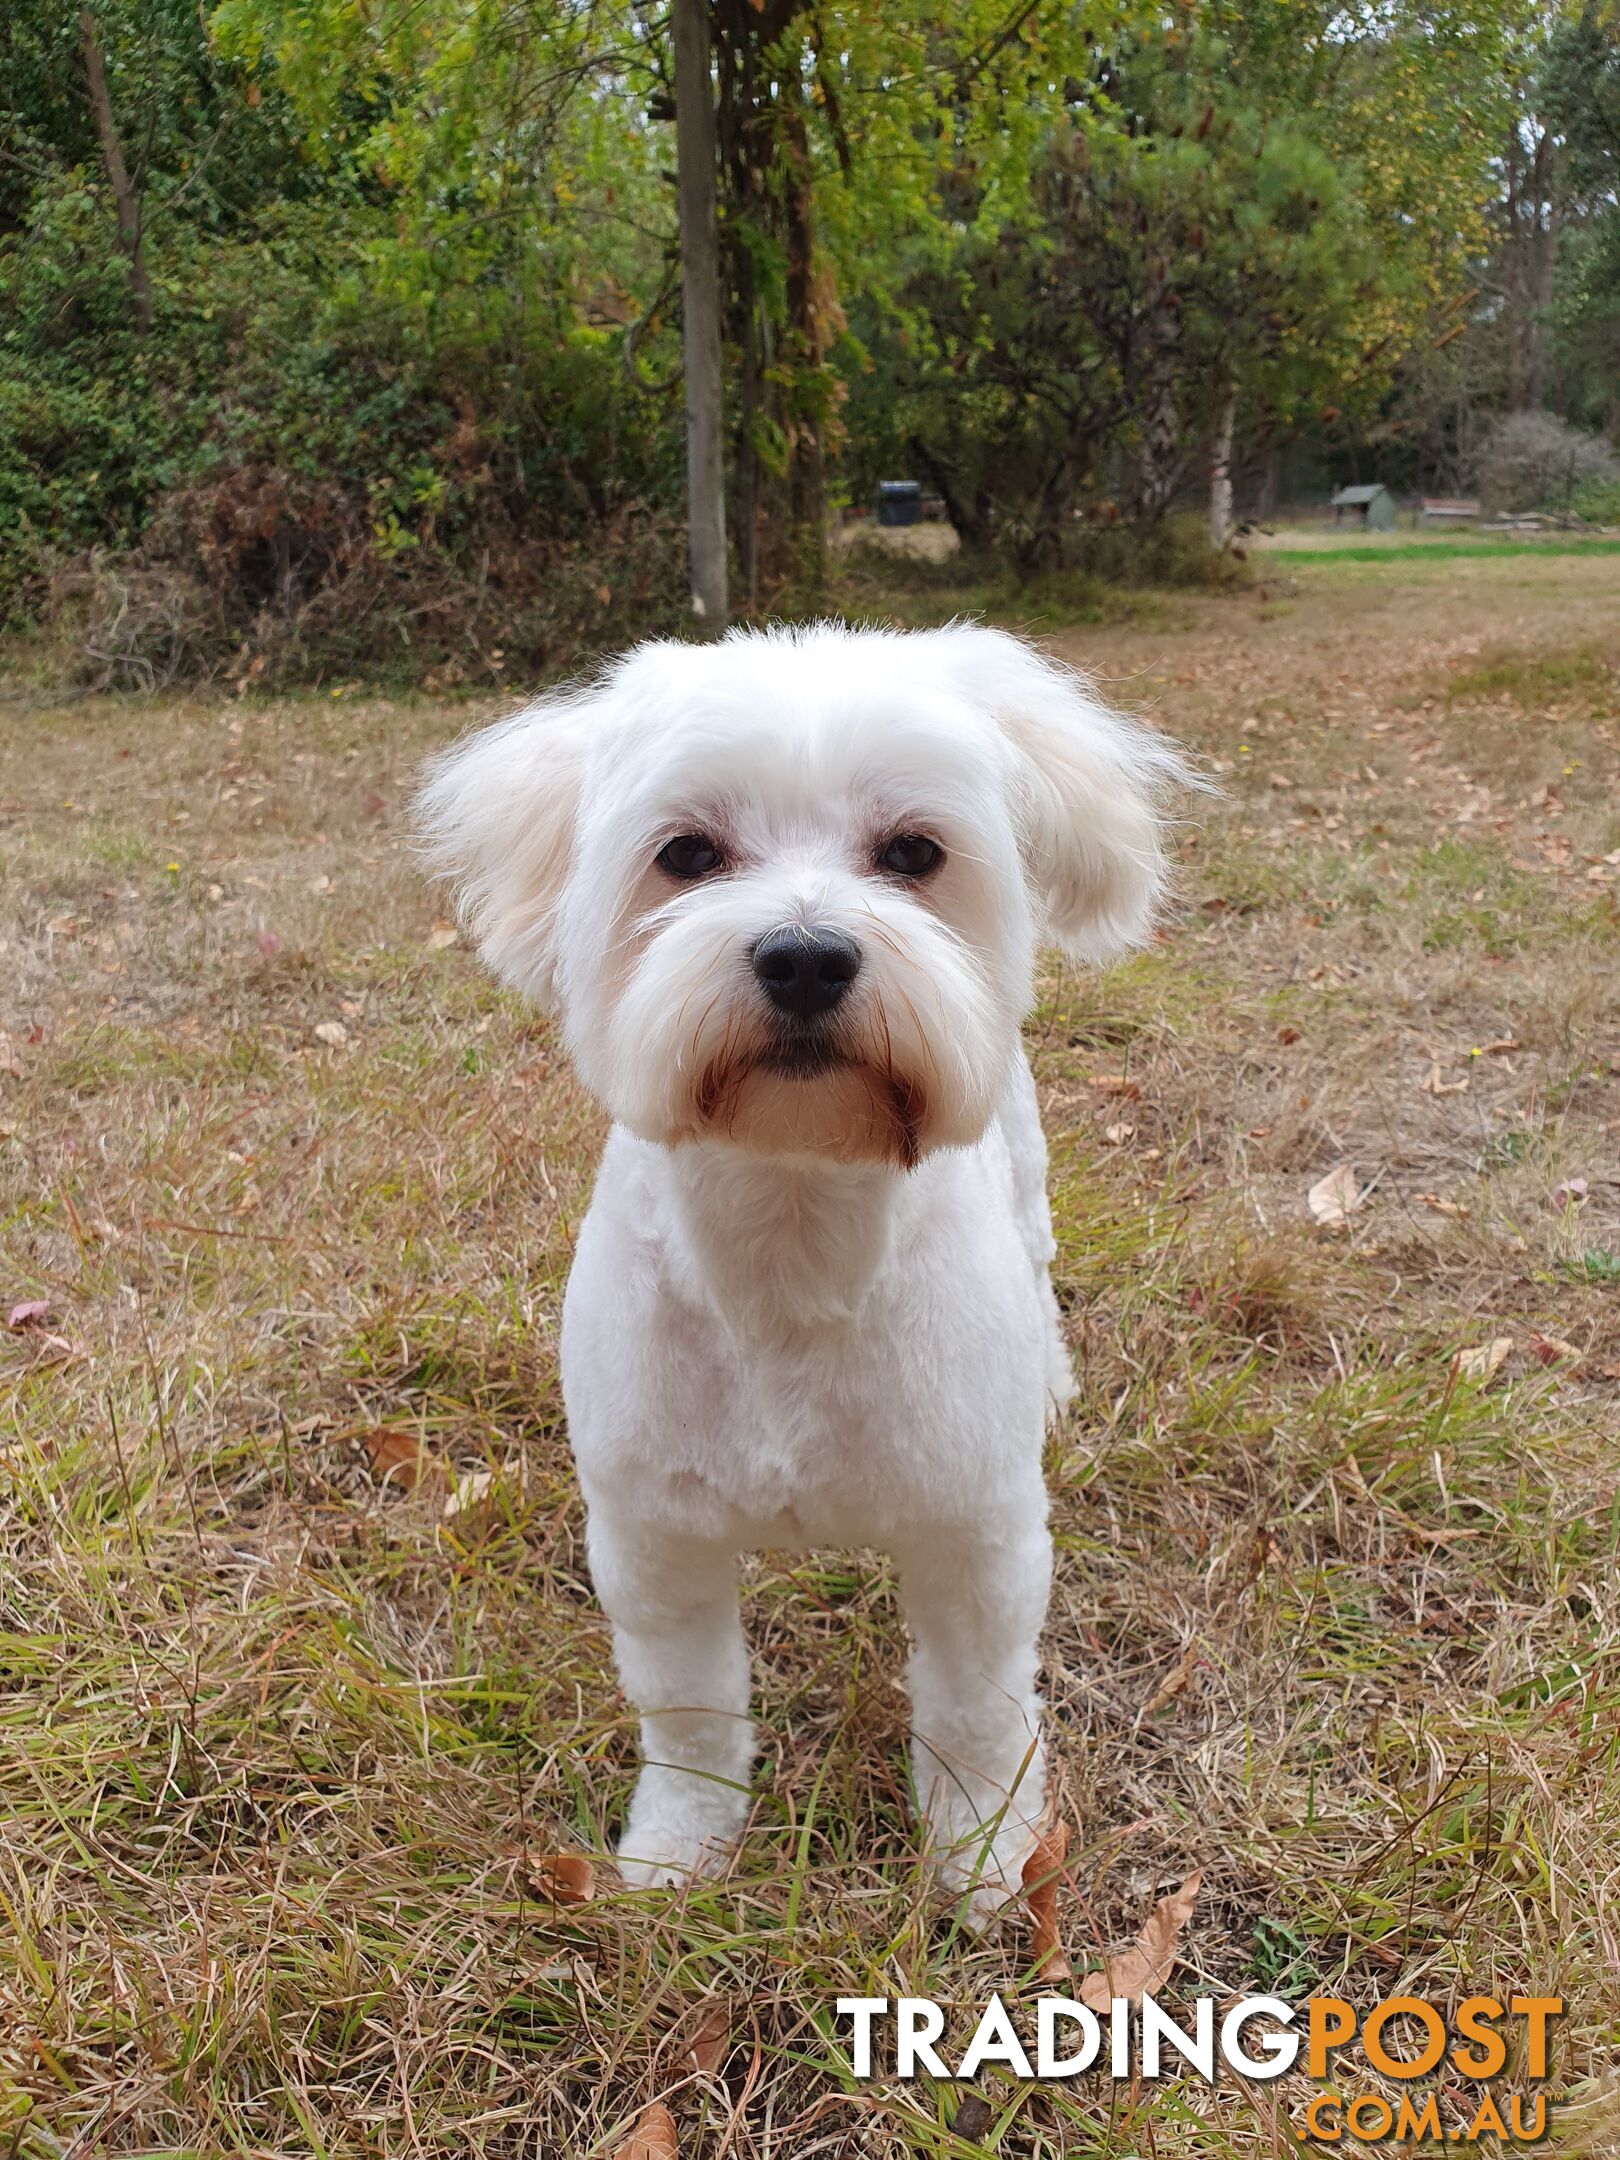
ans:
(910, 855)
(689, 855)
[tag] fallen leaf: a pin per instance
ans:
(1117, 1135)
(1553, 1350)
(1174, 1682)
(1115, 1084)
(31, 1313)
(1571, 1193)
(1483, 1360)
(442, 934)
(320, 886)
(711, 2037)
(1288, 1034)
(331, 1032)
(1434, 1082)
(1334, 1199)
(653, 2137)
(1501, 1044)
(973, 2118)
(1149, 1962)
(8, 1059)
(564, 1878)
(1040, 1877)
(400, 1458)
(1454, 1208)
(467, 1491)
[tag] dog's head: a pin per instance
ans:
(787, 889)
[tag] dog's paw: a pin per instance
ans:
(664, 1854)
(987, 1871)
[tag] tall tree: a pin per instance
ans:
(700, 281)
(126, 196)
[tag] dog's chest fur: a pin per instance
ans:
(785, 1358)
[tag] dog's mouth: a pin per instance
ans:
(802, 1056)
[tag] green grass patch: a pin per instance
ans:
(1532, 679)
(1405, 554)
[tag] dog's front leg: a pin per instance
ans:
(678, 1640)
(975, 1599)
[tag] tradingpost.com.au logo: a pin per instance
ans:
(1257, 2039)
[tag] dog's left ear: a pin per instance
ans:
(497, 813)
(1089, 795)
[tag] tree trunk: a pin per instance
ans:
(1220, 472)
(700, 288)
(126, 197)
(807, 483)
(1160, 422)
(1543, 263)
(969, 514)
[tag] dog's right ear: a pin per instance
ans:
(497, 813)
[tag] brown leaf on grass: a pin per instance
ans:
(653, 2137)
(9, 1065)
(1117, 1135)
(1572, 1193)
(1334, 1199)
(331, 1032)
(1553, 1350)
(400, 1458)
(1480, 1362)
(1152, 1957)
(1454, 1208)
(442, 936)
(31, 1313)
(562, 1878)
(1040, 1877)
(973, 2119)
(1434, 1082)
(1175, 1681)
(711, 2038)
(1115, 1084)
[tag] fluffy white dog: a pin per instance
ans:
(784, 895)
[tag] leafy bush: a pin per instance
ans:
(1534, 461)
(1598, 502)
(289, 477)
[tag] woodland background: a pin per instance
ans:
(344, 335)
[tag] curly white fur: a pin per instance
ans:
(811, 1307)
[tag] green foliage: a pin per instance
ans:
(1580, 86)
(1176, 247)
(1598, 503)
(411, 385)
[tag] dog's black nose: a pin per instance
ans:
(806, 971)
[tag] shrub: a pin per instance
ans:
(1598, 502)
(1534, 461)
(289, 477)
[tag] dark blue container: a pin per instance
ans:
(899, 502)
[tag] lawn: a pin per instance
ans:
(301, 1681)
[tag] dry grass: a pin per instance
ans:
(281, 1741)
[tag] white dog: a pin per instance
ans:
(784, 895)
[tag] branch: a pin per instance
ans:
(126, 199)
